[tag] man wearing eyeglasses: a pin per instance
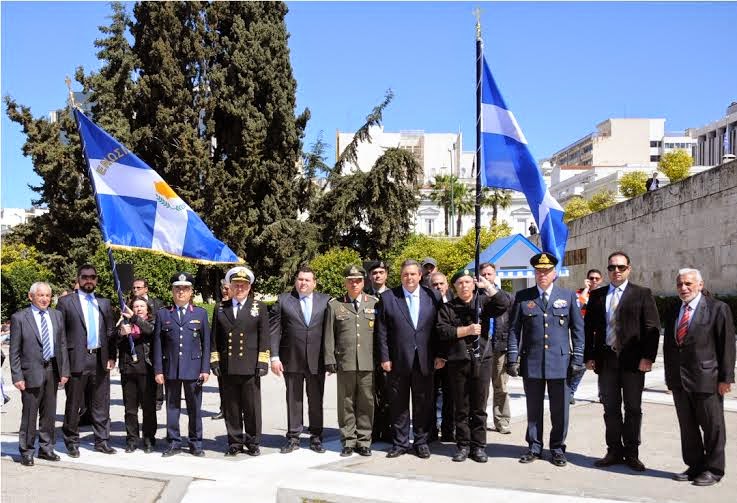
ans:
(622, 336)
(592, 282)
(546, 324)
(88, 321)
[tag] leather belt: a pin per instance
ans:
(93, 351)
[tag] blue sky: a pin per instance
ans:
(562, 67)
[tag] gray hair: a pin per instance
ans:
(688, 270)
(34, 287)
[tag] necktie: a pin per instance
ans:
(355, 304)
(545, 300)
(491, 328)
(181, 314)
(611, 333)
(237, 309)
(91, 323)
(683, 325)
(413, 309)
(45, 340)
(306, 310)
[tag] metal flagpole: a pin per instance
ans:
(479, 64)
(113, 266)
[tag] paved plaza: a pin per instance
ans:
(305, 476)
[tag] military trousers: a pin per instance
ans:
(355, 407)
(470, 393)
(242, 409)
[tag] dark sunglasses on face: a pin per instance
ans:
(88, 276)
(594, 278)
(437, 284)
(618, 267)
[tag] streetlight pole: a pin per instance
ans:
(452, 191)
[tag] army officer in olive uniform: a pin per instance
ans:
(240, 357)
(349, 351)
(182, 359)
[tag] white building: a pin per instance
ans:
(710, 139)
(10, 217)
(438, 154)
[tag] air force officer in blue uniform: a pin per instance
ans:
(546, 324)
(182, 359)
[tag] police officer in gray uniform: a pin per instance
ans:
(349, 351)
(546, 324)
(182, 359)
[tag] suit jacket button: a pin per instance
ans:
(545, 315)
(546, 346)
(180, 353)
(240, 354)
(546, 336)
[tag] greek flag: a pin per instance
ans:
(508, 164)
(137, 207)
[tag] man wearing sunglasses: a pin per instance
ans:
(622, 335)
(88, 321)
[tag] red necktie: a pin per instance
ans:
(683, 325)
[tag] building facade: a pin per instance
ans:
(717, 139)
(10, 217)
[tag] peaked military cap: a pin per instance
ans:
(182, 279)
(462, 272)
(354, 271)
(240, 273)
(543, 260)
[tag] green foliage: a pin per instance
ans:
(632, 184)
(675, 165)
(446, 193)
(601, 200)
(467, 244)
(329, 268)
(576, 207)
(155, 268)
(496, 198)
(21, 267)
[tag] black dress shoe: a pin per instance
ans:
(217, 416)
(317, 447)
(684, 476)
(196, 451)
(634, 463)
(26, 460)
(461, 454)
(171, 451)
(610, 459)
(363, 451)
(479, 455)
(347, 451)
(233, 450)
(291, 445)
(105, 449)
(705, 479)
(559, 459)
(49, 456)
(73, 451)
(252, 450)
(422, 451)
(395, 452)
(529, 457)
(130, 447)
(148, 448)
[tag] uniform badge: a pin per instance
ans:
(371, 323)
(343, 310)
(195, 321)
(369, 310)
(560, 303)
(254, 309)
(562, 321)
(531, 304)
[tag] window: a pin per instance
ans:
(575, 257)
(429, 225)
(655, 143)
(654, 158)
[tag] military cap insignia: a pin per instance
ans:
(182, 277)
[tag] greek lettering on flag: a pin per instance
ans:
(508, 164)
(138, 209)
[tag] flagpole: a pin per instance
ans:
(479, 63)
(111, 258)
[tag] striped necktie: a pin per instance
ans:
(683, 325)
(45, 339)
(611, 329)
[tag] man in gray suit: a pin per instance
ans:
(296, 351)
(38, 362)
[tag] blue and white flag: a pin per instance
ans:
(726, 141)
(137, 207)
(508, 164)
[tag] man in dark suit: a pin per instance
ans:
(38, 362)
(406, 337)
(622, 336)
(140, 289)
(182, 360)
(652, 183)
(545, 324)
(297, 352)
(699, 354)
(91, 343)
(443, 394)
(240, 357)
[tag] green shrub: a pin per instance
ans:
(21, 268)
(329, 268)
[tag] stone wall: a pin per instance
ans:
(692, 223)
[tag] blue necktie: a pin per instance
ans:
(491, 328)
(306, 310)
(45, 339)
(414, 311)
(92, 342)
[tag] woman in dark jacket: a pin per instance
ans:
(137, 374)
